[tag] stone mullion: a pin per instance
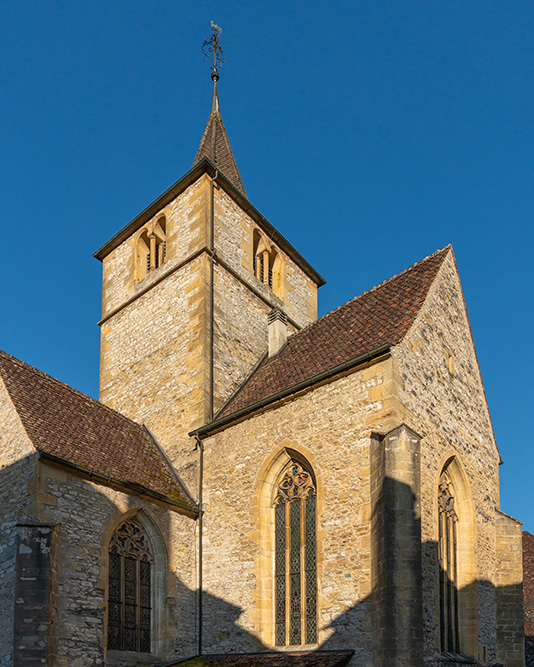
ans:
(454, 582)
(265, 267)
(280, 574)
(303, 574)
(137, 607)
(295, 596)
(442, 579)
(448, 596)
(123, 605)
(152, 251)
(288, 568)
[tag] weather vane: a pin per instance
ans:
(211, 46)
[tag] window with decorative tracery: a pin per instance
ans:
(295, 575)
(448, 565)
(129, 595)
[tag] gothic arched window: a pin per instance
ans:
(295, 558)
(129, 596)
(448, 565)
(264, 260)
(151, 249)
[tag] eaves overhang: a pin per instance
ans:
(377, 354)
(202, 167)
(131, 487)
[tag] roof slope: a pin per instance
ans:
(215, 145)
(64, 423)
(382, 315)
(282, 659)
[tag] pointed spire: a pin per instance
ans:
(215, 98)
(215, 144)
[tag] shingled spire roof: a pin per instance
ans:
(215, 144)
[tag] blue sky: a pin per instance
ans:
(369, 133)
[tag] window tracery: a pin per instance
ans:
(129, 596)
(295, 558)
(448, 565)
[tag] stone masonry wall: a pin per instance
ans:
(186, 233)
(441, 388)
(331, 428)
(153, 364)
(509, 581)
(87, 514)
(234, 243)
(240, 334)
(17, 498)
(35, 640)
(155, 354)
(153, 350)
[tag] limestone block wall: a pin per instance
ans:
(509, 581)
(18, 462)
(186, 234)
(87, 514)
(35, 618)
(440, 386)
(240, 334)
(234, 231)
(155, 355)
(153, 363)
(330, 428)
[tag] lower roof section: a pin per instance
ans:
(279, 659)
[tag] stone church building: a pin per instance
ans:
(256, 485)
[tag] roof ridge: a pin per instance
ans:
(372, 289)
(388, 280)
(46, 376)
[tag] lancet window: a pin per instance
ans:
(448, 565)
(266, 262)
(295, 558)
(151, 248)
(129, 597)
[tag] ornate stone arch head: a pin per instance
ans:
(137, 571)
(287, 566)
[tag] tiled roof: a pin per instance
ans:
(63, 423)
(285, 659)
(380, 316)
(215, 145)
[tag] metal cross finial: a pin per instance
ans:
(211, 46)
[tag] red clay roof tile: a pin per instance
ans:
(64, 423)
(282, 659)
(382, 315)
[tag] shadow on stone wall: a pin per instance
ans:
(398, 623)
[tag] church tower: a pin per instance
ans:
(188, 286)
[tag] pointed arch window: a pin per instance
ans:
(295, 558)
(129, 598)
(448, 565)
(266, 263)
(151, 249)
